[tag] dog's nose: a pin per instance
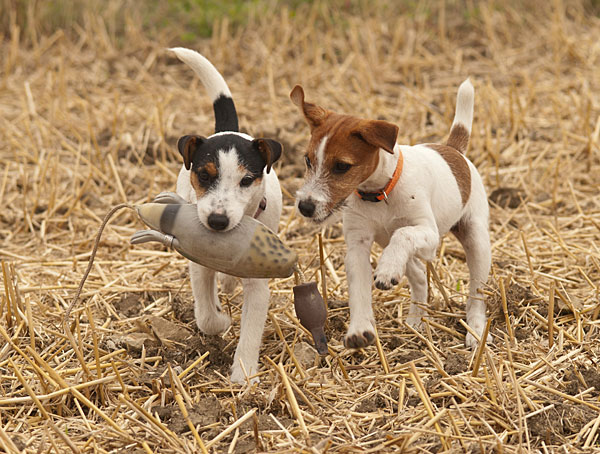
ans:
(218, 221)
(307, 208)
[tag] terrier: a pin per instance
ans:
(228, 175)
(403, 197)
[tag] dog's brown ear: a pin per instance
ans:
(269, 149)
(315, 115)
(187, 145)
(297, 95)
(378, 133)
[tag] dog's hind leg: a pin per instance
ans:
(207, 309)
(228, 283)
(475, 239)
(254, 315)
(417, 279)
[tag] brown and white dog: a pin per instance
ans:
(404, 198)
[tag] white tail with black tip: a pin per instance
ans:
(225, 114)
(463, 118)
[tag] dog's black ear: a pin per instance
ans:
(269, 149)
(187, 145)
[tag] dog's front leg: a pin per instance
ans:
(207, 309)
(254, 314)
(361, 331)
(407, 242)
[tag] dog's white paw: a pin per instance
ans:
(360, 335)
(415, 321)
(238, 375)
(389, 272)
(470, 340)
(215, 323)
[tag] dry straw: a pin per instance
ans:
(89, 118)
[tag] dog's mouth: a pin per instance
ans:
(330, 215)
(229, 228)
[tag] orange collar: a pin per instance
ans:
(383, 194)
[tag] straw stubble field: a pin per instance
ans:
(89, 119)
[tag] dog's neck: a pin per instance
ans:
(383, 172)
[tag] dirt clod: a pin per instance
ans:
(507, 197)
(456, 364)
(207, 411)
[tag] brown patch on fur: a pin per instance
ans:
(379, 133)
(459, 138)
(460, 169)
(200, 190)
(211, 169)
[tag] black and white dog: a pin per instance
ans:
(228, 175)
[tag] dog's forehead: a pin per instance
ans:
(341, 142)
(209, 150)
(212, 150)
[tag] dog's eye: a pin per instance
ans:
(247, 181)
(307, 160)
(203, 176)
(341, 167)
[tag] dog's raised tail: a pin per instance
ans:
(463, 118)
(225, 114)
